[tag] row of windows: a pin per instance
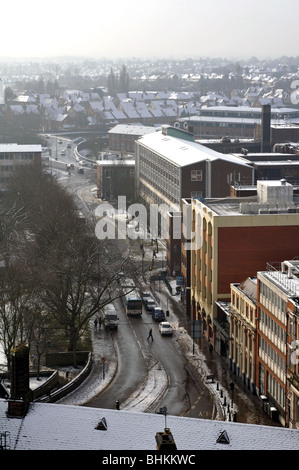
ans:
(17, 156)
(272, 354)
(151, 159)
(239, 304)
(276, 391)
(271, 324)
(273, 298)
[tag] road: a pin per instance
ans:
(184, 394)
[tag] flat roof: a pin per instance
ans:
(116, 162)
(14, 148)
(132, 129)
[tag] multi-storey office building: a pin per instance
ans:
(243, 330)
(234, 121)
(238, 237)
(15, 155)
(276, 366)
(170, 166)
(292, 407)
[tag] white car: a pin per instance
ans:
(165, 328)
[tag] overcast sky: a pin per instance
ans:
(157, 28)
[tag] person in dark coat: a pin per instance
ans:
(150, 335)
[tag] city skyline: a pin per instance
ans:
(160, 29)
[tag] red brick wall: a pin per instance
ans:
(242, 251)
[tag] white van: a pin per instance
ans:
(109, 317)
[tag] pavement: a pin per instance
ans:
(243, 406)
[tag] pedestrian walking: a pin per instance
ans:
(150, 335)
(95, 324)
(100, 322)
(117, 404)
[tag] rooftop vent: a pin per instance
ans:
(102, 425)
(223, 438)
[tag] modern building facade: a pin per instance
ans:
(238, 238)
(170, 166)
(13, 156)
(276, 367)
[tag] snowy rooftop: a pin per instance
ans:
(64, 427)
(19, 148)
(132, 129)
(182, 152)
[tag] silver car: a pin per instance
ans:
(165, 328)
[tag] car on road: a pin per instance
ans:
(145, 295)
(63, 153)
(82, 163)
(149, 304)
(69, 146)
(80, 170)
(165, 328)
(158, 314)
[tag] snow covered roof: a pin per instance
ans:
(182, 152)
(65, 427)
(15, 148)
(132, 129)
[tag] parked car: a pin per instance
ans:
(149, 304)
(158, 314)
(165, 328)
(110, 318)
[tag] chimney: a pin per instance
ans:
(165, 440)
(266, 128)
(20, 393)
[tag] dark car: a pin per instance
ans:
(149, 304)
(158, 314)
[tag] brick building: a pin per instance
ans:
(238, 237)
(123, 136)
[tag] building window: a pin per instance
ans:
(196, 175)
(196, 194)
